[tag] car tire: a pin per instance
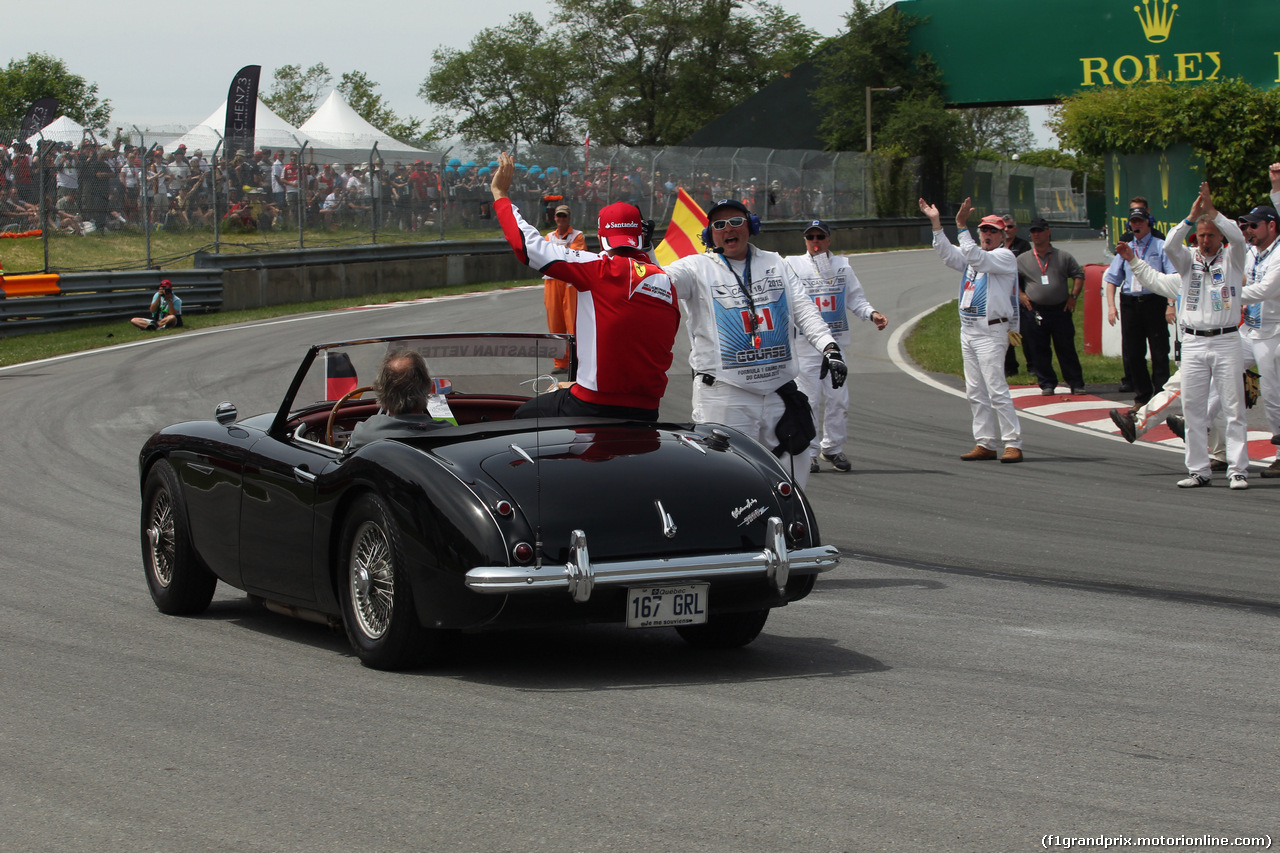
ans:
(377, 602)
(179, 584)
(725, 630)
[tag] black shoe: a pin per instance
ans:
(1077, 392)
(1179, 426)
(1124, 420)
(838, 460)
(1272, 470)
(1047, 392)
(1126, 387)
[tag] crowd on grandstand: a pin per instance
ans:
(95, 187)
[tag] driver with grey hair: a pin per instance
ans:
(402, 388)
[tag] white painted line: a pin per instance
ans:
(1081, 406)
(897, 355)
(297, 318)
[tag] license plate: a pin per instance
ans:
(665, 606)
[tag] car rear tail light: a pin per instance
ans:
(503, 508)
(523, 552)
(784, 489)
(798, 531)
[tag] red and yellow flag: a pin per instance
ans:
(683, 233)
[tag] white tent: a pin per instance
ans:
(61, 129)
(336, 126)
(270, 131)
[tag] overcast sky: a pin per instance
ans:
(169, 64)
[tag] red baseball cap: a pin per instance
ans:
(620, 226)
(992, 220)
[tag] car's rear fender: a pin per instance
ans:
(444, 529)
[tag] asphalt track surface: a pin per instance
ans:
(1068, 647)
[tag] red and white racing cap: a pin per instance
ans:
(620, 226)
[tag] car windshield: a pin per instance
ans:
(519, 365)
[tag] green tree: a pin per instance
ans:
(294, 93)
(921, 126)
(1229, 123)
(513, 80)
(1003, 129)
(359, 92)
(40, 75)
(655, 71)
(875, 51)
(1082, 166)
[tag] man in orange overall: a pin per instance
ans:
(561, 298)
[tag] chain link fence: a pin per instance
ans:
(138, 203)
(1026, 191)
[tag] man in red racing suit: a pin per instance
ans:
(627, 311)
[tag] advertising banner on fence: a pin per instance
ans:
(242, 111)
(40, 114)
(1022, 198)
(1169, 180)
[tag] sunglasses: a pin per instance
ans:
(1250, 224)
(735, 222)
(989, 229)
(1036, 230)
(562, 216)
(816, 237)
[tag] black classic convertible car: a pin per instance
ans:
(489, 522)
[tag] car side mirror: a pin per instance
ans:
(225, 413)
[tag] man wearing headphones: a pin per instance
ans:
(745, 308)
(627, 312)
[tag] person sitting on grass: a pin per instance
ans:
(166, 310)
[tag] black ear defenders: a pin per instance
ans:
(753, 226)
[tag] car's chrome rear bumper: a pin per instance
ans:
(579, 576)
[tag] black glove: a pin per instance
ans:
(833, 363)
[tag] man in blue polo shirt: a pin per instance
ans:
(1144, 320)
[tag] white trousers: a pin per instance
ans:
(1169, 402)
(830, 405)
(1265, 353)
(748, 411)
(985, 385)
(1213, 363)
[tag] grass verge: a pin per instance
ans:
(127, 250)
(934, 345)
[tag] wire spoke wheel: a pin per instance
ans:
(179, 583)
(372, 580)
(160, 536)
